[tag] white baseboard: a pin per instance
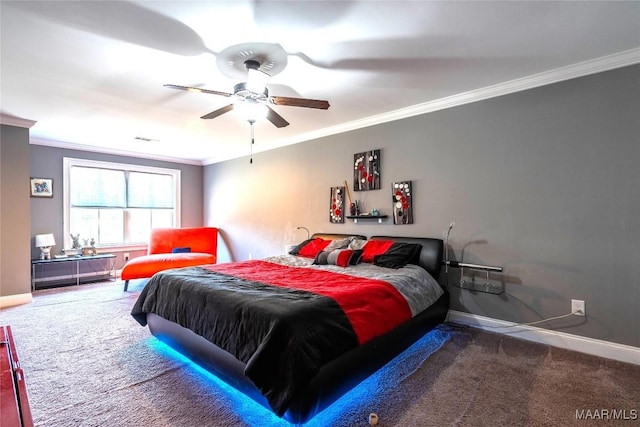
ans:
(606, 349)
(13, 300)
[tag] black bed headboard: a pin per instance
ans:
(337, 236)
(431, 254)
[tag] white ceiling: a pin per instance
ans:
(92, 73)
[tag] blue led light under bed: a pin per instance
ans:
(353, 407)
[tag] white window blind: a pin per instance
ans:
(93, 187)
(118, 204)
(147, 190)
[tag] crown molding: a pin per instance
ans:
(606, 63)
(115, 152)
(581, 69)
(8, 120)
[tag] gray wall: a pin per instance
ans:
(47, 214)
(14, 203)
(543, 182)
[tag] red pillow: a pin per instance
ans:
(340, 257)
(373, 248)
(311, 249)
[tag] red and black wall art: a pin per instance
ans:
(366, 171)
(336, 207)
(402, 206)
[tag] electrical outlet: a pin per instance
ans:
(126, 256)
(577, 307)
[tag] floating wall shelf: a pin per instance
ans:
(356, 218)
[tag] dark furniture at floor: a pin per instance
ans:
(75, 269)
(15, 411)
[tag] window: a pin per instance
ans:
(118, 204)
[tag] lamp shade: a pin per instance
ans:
(45, 240)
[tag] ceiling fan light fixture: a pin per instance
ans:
(256, 62)
(250, 111)
(256, 80)
(242, 93)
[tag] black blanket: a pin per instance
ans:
(279, 333)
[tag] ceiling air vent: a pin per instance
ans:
(142, 138)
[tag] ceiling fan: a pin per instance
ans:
(253, 94)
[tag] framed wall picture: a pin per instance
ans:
(402, 202)
(336, 208)
(366, 171)
(41, 187)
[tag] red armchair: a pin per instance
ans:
(173, 248)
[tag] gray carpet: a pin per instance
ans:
(88, 363)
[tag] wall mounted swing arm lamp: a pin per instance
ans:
(462, 265)
(306, 229)
(446, 248)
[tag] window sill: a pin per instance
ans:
(120, 248)
(124, 248)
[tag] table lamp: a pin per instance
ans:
(44, 242)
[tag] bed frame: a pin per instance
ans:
(336, 377)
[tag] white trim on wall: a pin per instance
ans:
(606, 349)
(598, 65)
(95, 149)
(8, 120)
(13, 300)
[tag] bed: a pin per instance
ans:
(252, 322)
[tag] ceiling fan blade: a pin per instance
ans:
(218, 112)
(299, 102)
(197, 89)
(276, 118)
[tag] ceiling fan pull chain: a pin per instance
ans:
(251, 122)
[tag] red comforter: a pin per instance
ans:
(284, 322)
(372, 306)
